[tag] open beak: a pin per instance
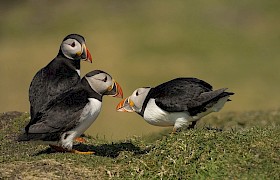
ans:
(115, 90)
(125, 105)
(86, 56)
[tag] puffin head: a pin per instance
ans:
(134, 102)
(74, 47)
(103, 84)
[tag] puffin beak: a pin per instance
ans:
(125, 105)
(115, 90)
(86, 56)
(119, 93)
(89, 57)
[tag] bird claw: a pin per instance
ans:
(192, 125)
(174, 132)
(80, 152)
(61, 149)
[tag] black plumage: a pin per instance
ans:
(184, 94)
(60, 114)
(54, 79)
(69, 114)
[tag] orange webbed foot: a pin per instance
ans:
(81, 152)
(80, 140)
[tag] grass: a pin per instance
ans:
(143, 43)
(238, 151)
(233, 44)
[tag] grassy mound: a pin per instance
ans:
(240, 150)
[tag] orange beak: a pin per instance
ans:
(124, 106)
(114, 90)
(89, 57)
(119, 92)
(86, 56)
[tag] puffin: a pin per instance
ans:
(180, 102)
(71, 113)
(59, 75)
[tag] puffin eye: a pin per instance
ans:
(105, 79)
(73, 44)
(137, 93)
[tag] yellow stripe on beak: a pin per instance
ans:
(112, 86)
(79, 53)
(131, 103)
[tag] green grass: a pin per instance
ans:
(233, 44)
(247, 150)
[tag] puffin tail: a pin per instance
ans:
(23, 137)
(229, 94)
(29, 137)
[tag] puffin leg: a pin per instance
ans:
(80, 140)
(61, 149)
(81, 152)
(174, 131)
(193, 123)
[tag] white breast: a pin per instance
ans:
(88, 116)
(156, 116)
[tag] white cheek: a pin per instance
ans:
(70, 51)
(78, 48)
(137, 104)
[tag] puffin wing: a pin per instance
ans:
(181, 84)
(49, 82)
(36, 91)
(183, 94)
(61, 116)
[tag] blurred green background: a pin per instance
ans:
(234, 44)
